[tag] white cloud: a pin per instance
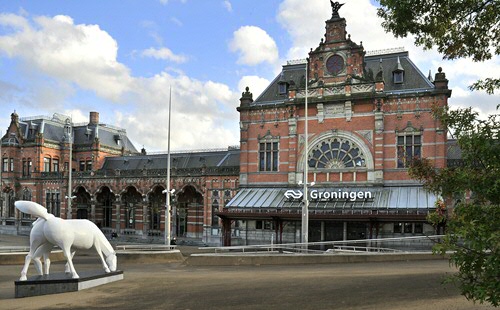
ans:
(203, 113)
(80, 54)
(256, 84)
(164, 53)
(254, 46)
(176, 21)
(227, 5)
(165, 2)
(64, 58)
(305, 23)
(77, 115)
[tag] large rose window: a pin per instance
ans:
(336, 153)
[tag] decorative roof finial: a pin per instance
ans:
(335, 8)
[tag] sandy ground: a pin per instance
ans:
(395, 285)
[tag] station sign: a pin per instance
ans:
(329, 195)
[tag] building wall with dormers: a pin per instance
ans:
(377, 105)
(121, 194)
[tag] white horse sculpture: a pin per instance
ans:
(49, 230)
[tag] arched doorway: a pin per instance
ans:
(131, 199)
(189, 213)
(155, 207)
(82, 201)
(104, 213)
(10, 212)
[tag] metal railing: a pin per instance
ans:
(14, 249)
(144, 247)
(381, 245)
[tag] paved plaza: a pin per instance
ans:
(383, 285)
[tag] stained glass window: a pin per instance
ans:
(336, 153)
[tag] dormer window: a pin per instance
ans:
(398, 77)
(398, 74)
(282, 88)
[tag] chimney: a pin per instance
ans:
(440, 80)
(246, 98)
(94, 118)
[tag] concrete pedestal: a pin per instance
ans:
(62, 282)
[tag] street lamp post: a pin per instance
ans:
(305, 205)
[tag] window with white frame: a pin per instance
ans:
(46, 164)
(409, 147)
(5, 164)
(268, 155)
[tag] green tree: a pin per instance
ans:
(458, 28)
(473, 225)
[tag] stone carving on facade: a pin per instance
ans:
(348, 110)
(49, 231)
(378, 105)
(334, 90)
(292, 126)
(335, 8)
(367, 134)
(334, 109)
(311, 93)
(320, 113)
(362, 88)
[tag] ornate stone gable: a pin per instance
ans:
(337, 59)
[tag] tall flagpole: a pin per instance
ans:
(305, 205)
(69, 211)
(168, 193)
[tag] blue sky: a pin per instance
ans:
(120, 58)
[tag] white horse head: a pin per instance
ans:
(111, 261)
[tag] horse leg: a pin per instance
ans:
(66, 267)
(46, 263)
(38, 265)
(97, 246)
(33, 249)
(69, 257)
(43, 250)
(27, 262)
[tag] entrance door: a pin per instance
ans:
(181, 222)
(356, 231)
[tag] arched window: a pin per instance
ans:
(156, 206)
(215, 209)
(336, 153)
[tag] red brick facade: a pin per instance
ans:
(376, 108)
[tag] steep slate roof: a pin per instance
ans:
(414, 79)
(208, 159)
(53, 129)
(291, 74)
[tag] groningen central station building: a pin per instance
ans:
(368, 115)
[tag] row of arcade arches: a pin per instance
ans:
(130, 211)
